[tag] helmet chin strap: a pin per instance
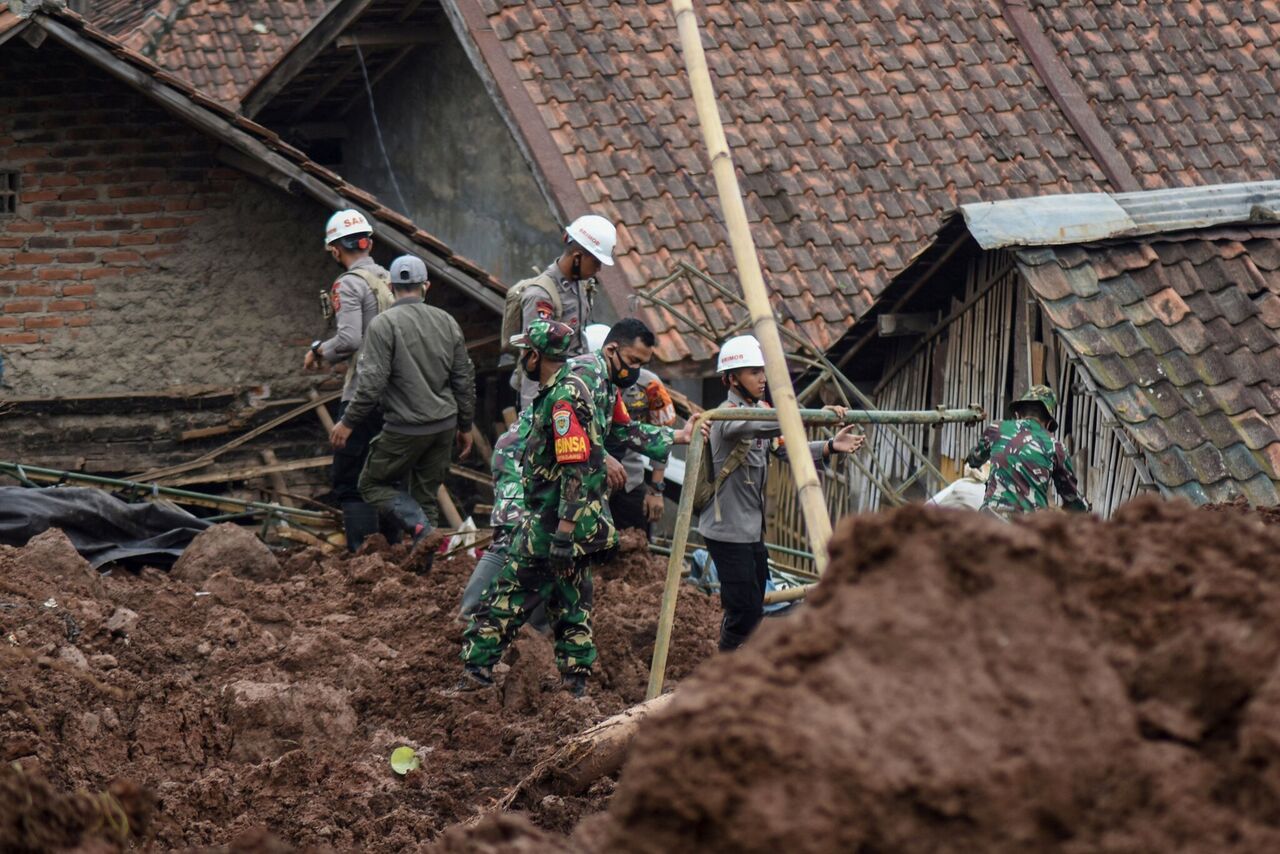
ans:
(736, 385)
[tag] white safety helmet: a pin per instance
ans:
(594, 234)
(595, 334)
(344, 224)
(741, 351)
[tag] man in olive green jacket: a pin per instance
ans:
(414, 363)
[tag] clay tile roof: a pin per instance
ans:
(220, 46)
(283, 163)
(855, 125)
(1188, 90)
(1188, 368)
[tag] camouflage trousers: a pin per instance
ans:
(512, 598)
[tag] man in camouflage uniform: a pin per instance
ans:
(506, 515)
(567, 527)
(1025, 458)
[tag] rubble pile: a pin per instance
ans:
(269, 691)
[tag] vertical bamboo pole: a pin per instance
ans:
(808, 490)
(675, 563)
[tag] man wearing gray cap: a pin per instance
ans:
(414, 364)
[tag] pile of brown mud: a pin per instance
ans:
(960, 684)
(245, 689)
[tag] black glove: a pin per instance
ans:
(560, 555)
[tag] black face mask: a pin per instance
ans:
(622, 375)
(534, 373)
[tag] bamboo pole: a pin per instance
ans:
(753, 287)
(675, 564)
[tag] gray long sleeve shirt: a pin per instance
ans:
(414, 363)
(577, 296)
(736, 513)
(355, 305)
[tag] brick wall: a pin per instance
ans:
(135, 259)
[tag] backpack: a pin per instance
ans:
(379, 283)
(709, 480)
(513, 311)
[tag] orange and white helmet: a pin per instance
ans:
(741, 351)
(345, 224)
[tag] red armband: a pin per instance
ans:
(572, 445)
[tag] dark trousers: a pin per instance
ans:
(349, 460)
(399, 462)
(743, 569)
(628, 508)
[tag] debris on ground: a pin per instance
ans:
(270, 694)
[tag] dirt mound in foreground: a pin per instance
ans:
(958, 684)
(276, 701)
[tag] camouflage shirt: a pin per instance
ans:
(508, 488)
(563, 467)
(1025, 458)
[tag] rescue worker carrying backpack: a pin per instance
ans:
(732, 521)
(565, 291)
(354, 300)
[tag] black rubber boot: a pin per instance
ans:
(359, 520)
(574, 683)
(475, 678)
(409, 516)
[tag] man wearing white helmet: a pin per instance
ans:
(637, 504)
(565, 291)
(354, 301)
(732, 522)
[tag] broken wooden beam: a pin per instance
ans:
(247, 472)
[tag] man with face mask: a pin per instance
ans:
(356, 298)
(567, 527)
(565, 291)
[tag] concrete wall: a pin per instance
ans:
(462, 176)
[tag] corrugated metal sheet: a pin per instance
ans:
(1180, 334)
(1089, 217)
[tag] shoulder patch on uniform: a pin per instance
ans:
(571, 441)
(620, 413)
(334, 298)
(545, 310)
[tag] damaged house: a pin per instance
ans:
(162, 259)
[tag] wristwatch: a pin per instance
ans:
(658, 487)
(315, 348)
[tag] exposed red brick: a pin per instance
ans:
(94, 240)
(35, 290)
(19, 338)
(68, 305)
(76, 257)
(23, 306)
(136, 239)
(57, 274)
(81, 320)
(42, 323)
(33, 258)
(78, 290)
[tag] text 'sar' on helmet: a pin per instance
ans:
(1044, 396)
(348, 223)
(551, 338)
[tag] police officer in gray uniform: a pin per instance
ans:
(356, 298)
(589, 242)
(732, 523)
